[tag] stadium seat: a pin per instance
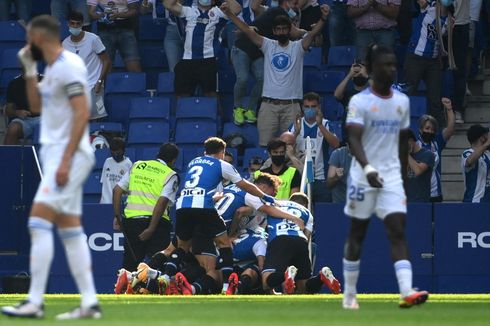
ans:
(234, 152)
(313, 58)
(146, 153)
(130, 153)
(150, 29)
(418, 106)
(332, 109)
(251, 152)
(341, 57)
(165, 83)
(12, 35)
(149, 108)
(9, 67)
(145, 133)
(92, 188)
(118, 64)
(322, 82)
(194, 132)
(106, 126)
(197, 108)
(249, 132)
(100, 156)
(119, 89)
(153, 60)
(336, 128)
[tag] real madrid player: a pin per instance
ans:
(63, 96)
(377, 121)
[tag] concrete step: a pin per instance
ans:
(458, 140)
(451, 165)
(453, 177)
(477, 114)
(453, 191)
(452, 152)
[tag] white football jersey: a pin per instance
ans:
(57, 113)
(112, 173)
(382, 119)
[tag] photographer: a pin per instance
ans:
(420, 165)
(359, 77)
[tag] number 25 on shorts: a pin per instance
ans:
(356, 193)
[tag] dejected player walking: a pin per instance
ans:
(67, 160)
(377, 123)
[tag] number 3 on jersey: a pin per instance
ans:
(194, 174)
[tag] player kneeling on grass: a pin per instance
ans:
(287, 259)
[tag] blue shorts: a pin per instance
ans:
(28, 125)
(123, 40)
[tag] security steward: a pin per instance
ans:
(151, 187)
(289, 176)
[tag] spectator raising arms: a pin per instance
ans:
(475, 164)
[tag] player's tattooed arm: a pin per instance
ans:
(240, 213)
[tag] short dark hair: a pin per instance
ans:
(229, 154)
(373, 52)
(214, 145)
(426, 117)
(275, 144)
(281, 20)
(47, 23)
(268, 179)
(117, 143)
(75, 16)
(475, 132)
(411, 135)
(300, 198)
(168, 152)
(311, 96)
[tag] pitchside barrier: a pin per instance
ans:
(449, 243)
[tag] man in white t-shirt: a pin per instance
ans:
(63, 96)
(377, 125)
(115, 167)
(90, 48)
(283, 72)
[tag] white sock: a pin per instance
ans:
(403, 270)
(41, 256)
(153, 273)
(80, 262)
(351, 275)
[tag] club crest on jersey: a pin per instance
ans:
(351, 112)
(399, 110)
(121, 172)
(211, 14)
(374, 108)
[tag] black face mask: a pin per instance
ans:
(282, 39)
(118, 158)
(360, 81)
(427, 137)
(278, 159)
(36, 52)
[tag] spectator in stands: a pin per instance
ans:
(290, 177)
(338, 171)
(474, 38)
(198, 66)
(23, 9)
(313, 125)
(283, 72)
(115, 28)
(404, 21)
(345, 90)
(61, 8)
(423, 56)
(420, 166)
(340, 25)
(229, 158)
(375, 22)
(254, 165)
(432, 139)
(461, 35)
(246, 57)
(293, 158)
(475, 163)
(115, 167)
(173, 42)
(17, 108)
(90, 48)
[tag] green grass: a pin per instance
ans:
(325, 310)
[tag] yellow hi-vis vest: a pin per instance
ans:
(146, 181)
(284, 190)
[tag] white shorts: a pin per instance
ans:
(363, 201)
(67, 199)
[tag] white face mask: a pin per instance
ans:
(204, 3)
(291, 13)
(274, 3)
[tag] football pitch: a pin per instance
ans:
(376, 310)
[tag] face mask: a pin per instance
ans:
(118, 158)
(360, 80)
(274, 3)
(291, 13)
(310, 113)
(427, 137)
(36, 52)
(204, 3)
(282, 38)
(75, 31)
(278, 159)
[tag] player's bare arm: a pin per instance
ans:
(30, 76)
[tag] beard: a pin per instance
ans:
(37, 54)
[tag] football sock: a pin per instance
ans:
(351, 275)
(153, 273)
(275, 279)
(194, 272)
(403, 270)
(245, 284)
(41, 256)
(226, 262)
(314, 284)
(80, 262)
(174, 262)
(205, 285)
(158, 261)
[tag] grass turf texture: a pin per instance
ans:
(376, 309)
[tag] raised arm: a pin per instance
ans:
(339, 92)
(235, 7)
(477, 153)
(310, 36)
(30, 76)
(448, 132)
(247, 30)
(173, 6)
(257, 8)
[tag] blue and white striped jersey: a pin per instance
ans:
(203, 177)
(202, 32)
(250, 244)
(278, 226)
(424, 41)
(436, 147)
(476, 178)
(233, 199)
(247, 15)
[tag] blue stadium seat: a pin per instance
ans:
(234, 152)
(197, 108)
(118, 64)
(418, 106)
(150, 108)
(249, 131)
(153, 60)
(188, 153)
(12, 35)
(165, 83)
(92, 188)
(313, 58)
(119, 89)
(100, 156)
(331, 108)
(322, 82)
(194, 132)
(146, 153)
(251, 152)
(9, 67)
(341, 57)
(143, 133)
(106, 126)
(336, 128)
(150, 29)
(130, 152)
